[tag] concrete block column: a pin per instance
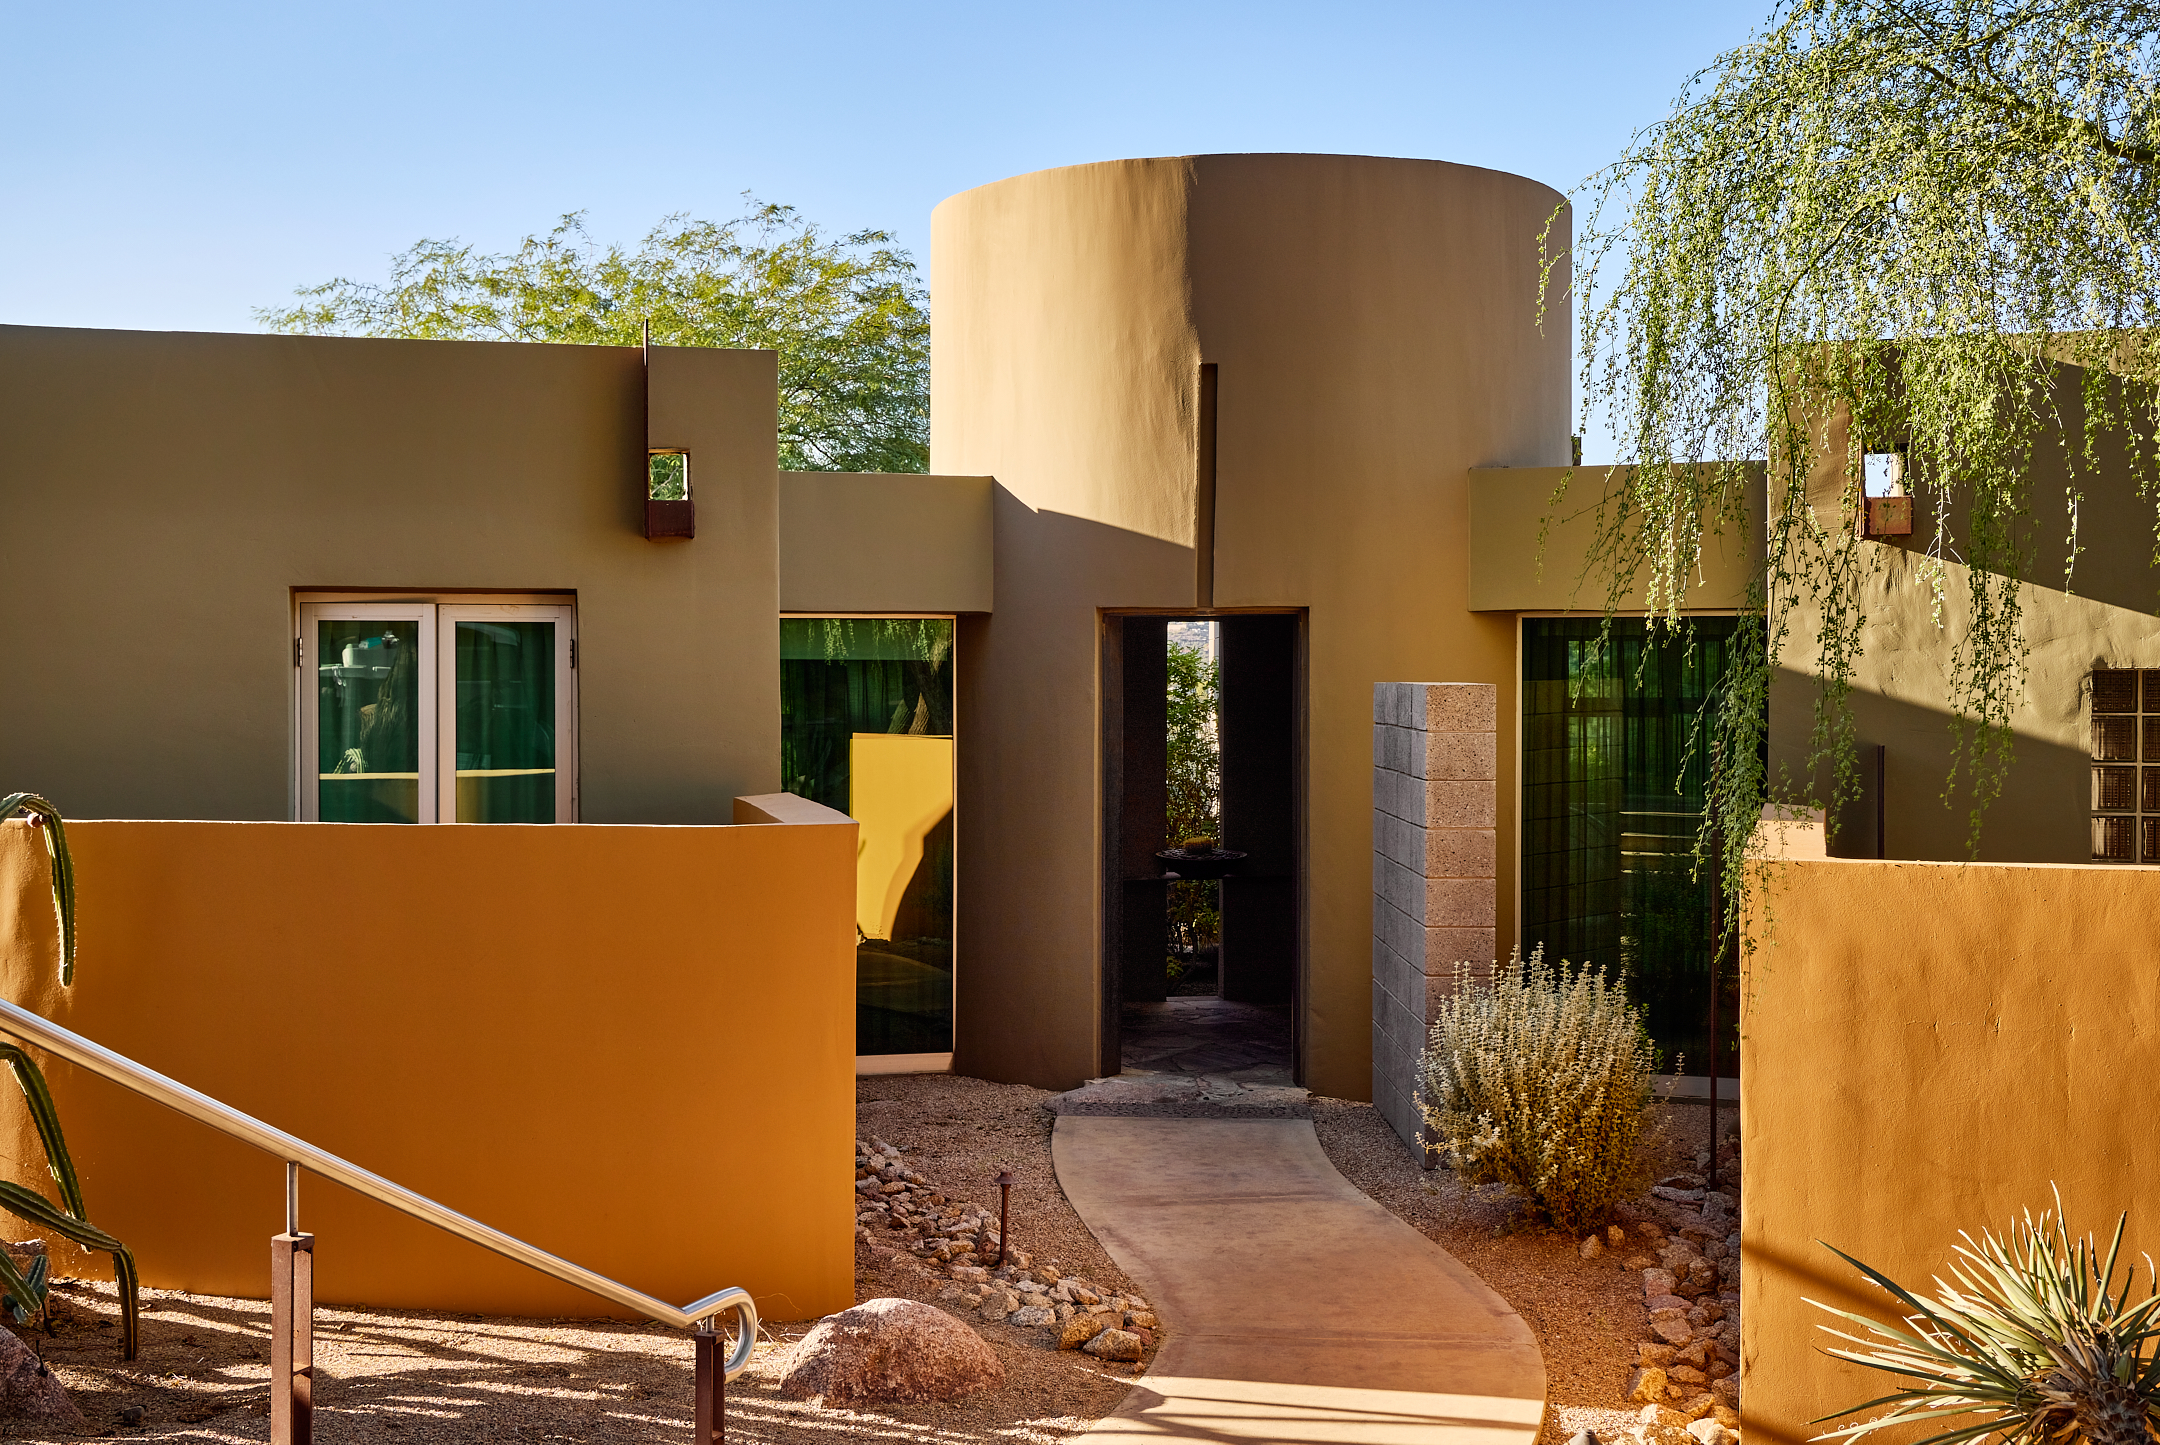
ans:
(1435, 869)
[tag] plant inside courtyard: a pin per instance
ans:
(23, 1293)
(1938, 222)
(1540, 1079)
(1194, 801)
(2035, 1337)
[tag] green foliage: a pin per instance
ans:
(1909, 215)
(2035, 1338)
(35, 808)
(1195, 788)
(848, 316)
(1541, 1080)
(24, 1297)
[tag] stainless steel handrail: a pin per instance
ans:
(200, 1107)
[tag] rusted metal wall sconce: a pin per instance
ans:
(669, 511)
(1886, 517)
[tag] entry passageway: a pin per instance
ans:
(1297, 1309)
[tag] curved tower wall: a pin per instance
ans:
(1373, 327)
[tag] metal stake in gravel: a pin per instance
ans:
(1004, 1184)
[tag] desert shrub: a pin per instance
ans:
(2035, 1337)
(1541, 1080)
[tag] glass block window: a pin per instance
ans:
(2126, 765)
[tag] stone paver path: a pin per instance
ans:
(1298, 1310)
(1200, 1035)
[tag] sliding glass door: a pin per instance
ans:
(418, 712)
(1614, 754)
(866, 726)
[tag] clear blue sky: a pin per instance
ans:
(173, 166)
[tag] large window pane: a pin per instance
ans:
(368, 721)
(866, 726)
(1612, 801)
(505, 722)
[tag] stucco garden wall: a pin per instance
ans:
(632, 1046)
(1927, 1048)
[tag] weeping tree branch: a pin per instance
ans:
(1875, 219)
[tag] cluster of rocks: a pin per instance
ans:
(1686, 1375)
(960, 1239)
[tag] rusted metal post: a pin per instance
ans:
(292, 1339)
(710, 1426)
(1004, 1184)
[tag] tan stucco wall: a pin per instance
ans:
(1529, 555)
(1927, 1047)
(1373, 322)
(2100, 616)
(632, 1046)
(885, 542)
(179, 486)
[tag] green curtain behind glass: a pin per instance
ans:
(505, 722)
(845, 675)
(1611, 804)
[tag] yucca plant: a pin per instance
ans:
(22, 1294)
(2035, 1339)
(1540, 1079)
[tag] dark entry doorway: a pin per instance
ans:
(1246, 1025)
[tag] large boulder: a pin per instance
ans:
(888, 1350)
(30, 1391)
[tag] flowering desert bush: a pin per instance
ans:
(1541, 1080)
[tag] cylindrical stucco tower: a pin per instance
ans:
(1211, 385)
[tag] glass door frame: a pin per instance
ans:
(434, 618)
(934, 1063)
(449, 615)
(307, 662)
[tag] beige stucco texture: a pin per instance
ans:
(630, 1046)
(183, 487)
(1928, 1048)
(1373, 325)
(885, 542)
(1538, 544)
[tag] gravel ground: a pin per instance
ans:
(1587, 1314)
(423, 1376)
(413, 1376)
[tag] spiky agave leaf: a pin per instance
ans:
(63, 869)
(2037, 1336)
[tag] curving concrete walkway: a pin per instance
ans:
(1298, 1310)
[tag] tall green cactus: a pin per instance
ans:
(23, 1295)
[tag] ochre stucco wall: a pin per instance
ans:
(631, 1046)
(179, 486)
(1927, 1047)
(1373, 322)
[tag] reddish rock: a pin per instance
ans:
(888, 1350)
(29, 1391)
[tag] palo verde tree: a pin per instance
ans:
(1874, 225)
(848, 316)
